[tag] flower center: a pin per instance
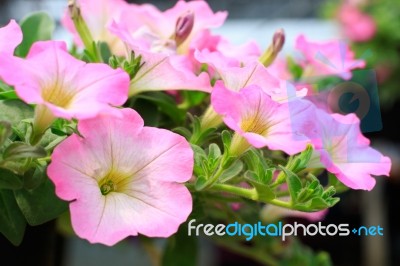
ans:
(255, 123)
(107, 187)
(58, 94)
(114, 181)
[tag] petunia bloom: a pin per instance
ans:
(253, 114)
(10, 37)
(150, 29)
(63, 86)
(341, 148)
(327, 58)
(123, 179)
(356, 25)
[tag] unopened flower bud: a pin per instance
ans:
(278, 40)
(184, 26)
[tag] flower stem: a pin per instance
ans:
(249, 194)
(41, 122)
(83, 30)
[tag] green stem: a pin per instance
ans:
(84, 32)
(250, 194)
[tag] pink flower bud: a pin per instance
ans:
(184, 26)
(278, 40)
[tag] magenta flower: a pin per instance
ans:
(10, 37)
(68, 87)
(162, 72)
(123, 179)
(262, 121)
(63, 86)
(356, 25)
(327, 58)
(98, 15)
(344, 151)
(158, 31)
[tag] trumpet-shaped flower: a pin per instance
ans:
(170, 31)
(162, 72)
(98, 15)
(341, 148)
(68, 87)
(356, 25)
(262, 121)
(123, 179)
(10, 37)
(327, 58)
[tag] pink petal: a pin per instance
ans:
(263, 122)
(145, 163)
(10, 37)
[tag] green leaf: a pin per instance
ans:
(226, 137)
(181, 249)
(213, 152)
(293, 182)
(5, 131)
(10, 94)
(193, 98)
(166, 104)
(19, 150)
(34, 177)
(264, 192)
(38, 26)
(105, 51)
(9, 180)
(14, 111)
(12, 222)
(201, 183)
(232, 171)
(40, 205)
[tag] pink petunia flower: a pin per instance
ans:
(150, 29)
(123, 179)
(10, 37)
(253, 114)
(327, 58)
(63, 86)
(341, 148)
(98, 15)
(356, 25)
(162, 72)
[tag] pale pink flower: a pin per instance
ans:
(356, 25)
(52, 78)
(162, 72)
(150, 29)
(123, 179)
(327, 58)
(223, 55)
(98, 15)
(341, 148)
(10, 37)
(253, 114)
(279, 69)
